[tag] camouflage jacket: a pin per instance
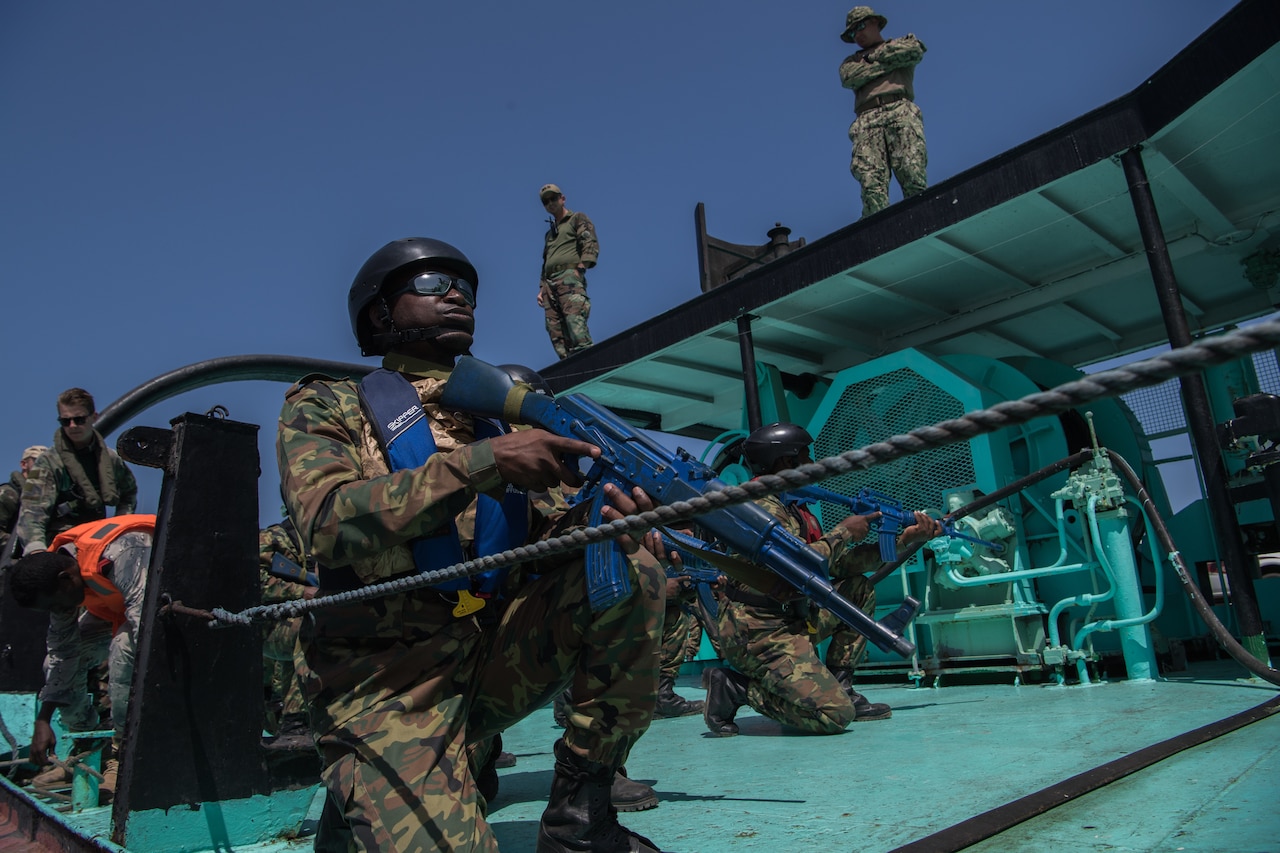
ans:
(844, 557)
(56, 498)
(570, 242)
(886, 69)
(65, 671)
(10, 500)
(352, 510)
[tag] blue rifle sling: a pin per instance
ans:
(401, 427)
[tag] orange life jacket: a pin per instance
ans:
(101, 597)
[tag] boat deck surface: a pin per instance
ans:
(917, 781)
(947, 754)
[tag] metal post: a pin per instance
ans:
(750, 388)
(1199, 413)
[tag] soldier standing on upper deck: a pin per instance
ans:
(888, 132)
(571, 249)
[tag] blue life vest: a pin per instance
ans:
(402, 429)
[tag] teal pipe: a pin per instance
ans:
(1111, 529)
(1157, 606)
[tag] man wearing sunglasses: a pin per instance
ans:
(383, 483)
(888, 132)
(75, 480)
(569, 250)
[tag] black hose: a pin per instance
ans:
(1239, 653)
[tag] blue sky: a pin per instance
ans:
(181, 181)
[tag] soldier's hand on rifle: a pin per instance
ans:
(925, 528)
(622, 504)
(537, 460)
(859, 525)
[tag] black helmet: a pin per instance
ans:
(393, 257)
(529, 376)
(768, 444)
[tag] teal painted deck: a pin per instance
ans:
(946, 755)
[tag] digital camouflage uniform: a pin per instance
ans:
(281, 638)
(569, 242)
(10, 500)
(59, 493)
(398, 686)
(775, 648)
(888, 133)
(78, 642)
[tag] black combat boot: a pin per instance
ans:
(726, 693)
(628, 795)
(487, 774)
(579, 816)
(672, 704)
(866, 710)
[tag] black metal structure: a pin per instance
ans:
(194, 727)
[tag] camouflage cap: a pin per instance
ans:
(548, 192)
(32, 452)
(857, 14)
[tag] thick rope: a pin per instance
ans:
(1110, 383)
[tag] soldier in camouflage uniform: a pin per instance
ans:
(570, 249)
(75, 480)
(11, 495)
(398, 686)
(888, 133)
(287, 711)
(773, 643)
(93, 584)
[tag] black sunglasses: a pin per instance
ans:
(438, 284)
(78, 420)
(860, 26)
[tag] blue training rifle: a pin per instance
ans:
(285, 569)
(628, 458)
(893, 518)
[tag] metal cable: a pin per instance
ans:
(1109, 383)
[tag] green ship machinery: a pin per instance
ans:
(1082, 587)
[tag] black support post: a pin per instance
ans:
(1200, 419)
(751, 390)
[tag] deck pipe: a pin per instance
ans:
(750, 386)
(1136, 657)
(1200, 419)
(1115, 542)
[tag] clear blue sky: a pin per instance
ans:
(184, 181)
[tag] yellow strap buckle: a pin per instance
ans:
(467, 604)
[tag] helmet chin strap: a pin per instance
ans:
(385, 341)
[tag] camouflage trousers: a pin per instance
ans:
(567, 309)
(676, 622)
(398, 772)
(277, 664)
(97, 644)
(884, 139)
(775, 648)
